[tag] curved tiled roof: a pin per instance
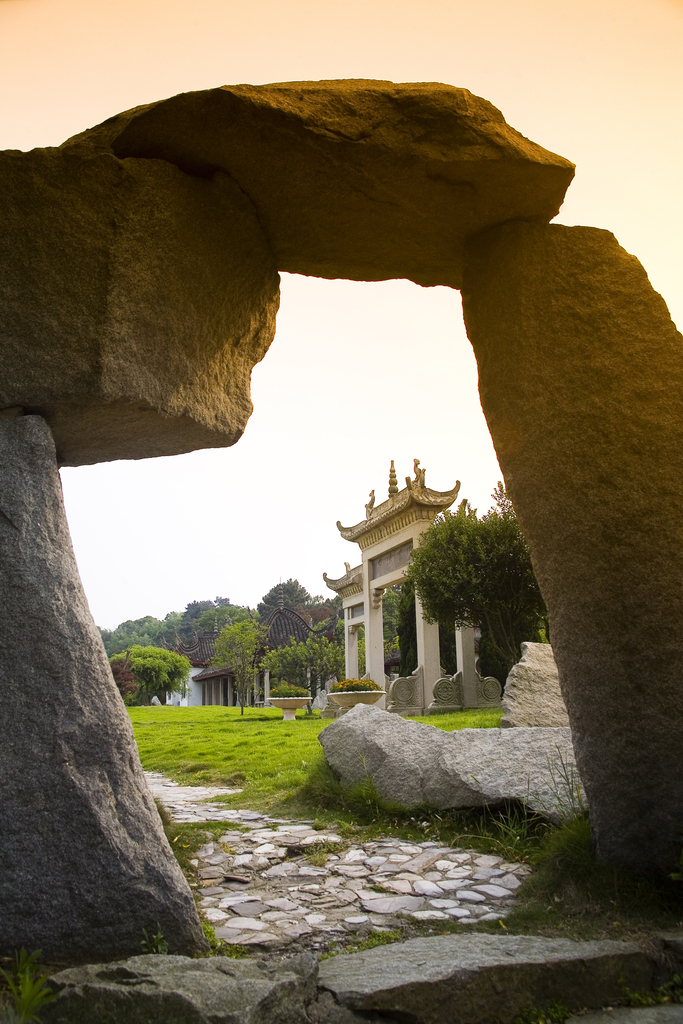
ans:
(283, 625)
(201, 648)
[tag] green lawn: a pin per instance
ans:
(270, 759)
(281, 769)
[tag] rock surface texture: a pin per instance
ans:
(633, 1015)
(477, 979)
(359, 179)
(135, 301)
(85, 863)
(581, 376)
(413, 764)
(177, 990)
(532, 695)
(450, 979)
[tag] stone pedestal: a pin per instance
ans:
(85, 863)
(581, 378)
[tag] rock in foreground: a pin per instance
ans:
(477, 979)
(177, 990)
(413, 764)
(85, 862)
(532, 694)
(448, 979)
(135, 302)
(580, 373)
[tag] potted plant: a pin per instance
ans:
(350, 692)
(289, 698)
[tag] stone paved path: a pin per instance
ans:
(259, 888)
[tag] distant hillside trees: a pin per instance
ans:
(208, 615)
(293, 595)
(150, 632)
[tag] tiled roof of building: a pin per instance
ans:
(201, 648)
(283, 624)
(211, 672)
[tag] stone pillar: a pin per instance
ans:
(374, 631)
(467, 664)
(351, 651)
(266, 686)
(428, 653)
(85, 863)
(581, 381)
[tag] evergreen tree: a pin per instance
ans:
(290, 595)
(478, 572)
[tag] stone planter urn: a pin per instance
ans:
(353, 697)
(289, 706)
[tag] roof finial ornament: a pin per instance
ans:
(370, 505)
(281, 598)
(419, 482)
(393, 486)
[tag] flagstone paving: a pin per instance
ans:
(258, 887)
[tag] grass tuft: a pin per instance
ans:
(556, 1013)
(570, 893)
(164, 812)
(376, 939)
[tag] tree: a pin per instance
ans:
(238, 648)
(290, 594)
(406, 629)
(407, 635)
(124, 678)
(305, 663)
(478, 572)
(223, 615)
(156, 671)
(145, 632)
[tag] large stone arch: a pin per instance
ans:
(138, 289)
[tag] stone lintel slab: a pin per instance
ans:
(85, 862)
(135, 301)
(360, 179)
(581, 377)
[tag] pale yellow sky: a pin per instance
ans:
(342, 390)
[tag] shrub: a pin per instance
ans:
(289, 691)
(354, 686)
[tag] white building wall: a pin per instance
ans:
(194, 694)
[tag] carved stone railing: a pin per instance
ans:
(406, 694)
(449, 694)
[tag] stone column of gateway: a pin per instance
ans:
(78, 820)
(581, 382)
(387, 537)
